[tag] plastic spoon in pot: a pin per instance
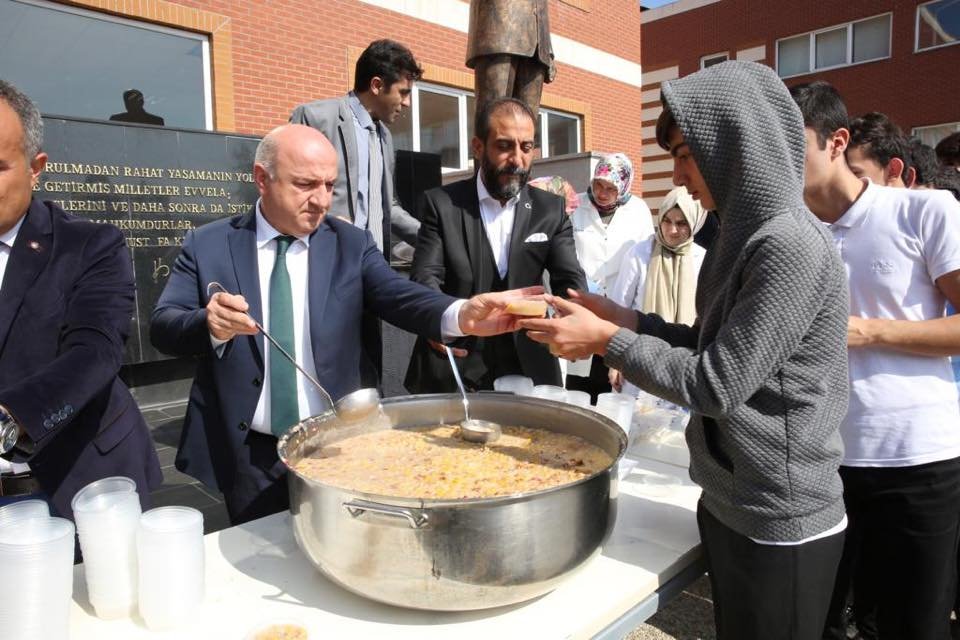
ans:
(353, 407)
(472, 429)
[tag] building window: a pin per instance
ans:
(162, 73)
(933, 134)
(837, 46)
(716, 58)
(440, 120)
(938, 24)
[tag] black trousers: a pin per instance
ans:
(902, 555)
(767, 592)
(596, 383)
(260, 486)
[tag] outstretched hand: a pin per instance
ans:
(485, 315)
(605, 308)
(575, 333)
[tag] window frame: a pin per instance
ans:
(914, 132)
(812, 46)
(466, 156)
(204, 40)
(916, 32)
(711, 56)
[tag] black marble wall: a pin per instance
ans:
(155, 184)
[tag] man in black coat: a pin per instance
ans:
(492, 233)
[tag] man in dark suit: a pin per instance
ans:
(66, 298)
(309, 277)
(491, 233)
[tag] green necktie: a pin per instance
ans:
(284, 411)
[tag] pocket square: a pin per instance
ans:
(536, 237)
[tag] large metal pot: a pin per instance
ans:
(454, 555)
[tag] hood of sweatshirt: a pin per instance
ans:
(746, 135)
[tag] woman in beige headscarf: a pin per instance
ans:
(660, 276)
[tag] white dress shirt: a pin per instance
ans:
(6, 243)
(310, 401)
(498, 223)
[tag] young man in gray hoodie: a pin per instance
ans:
(764, 368)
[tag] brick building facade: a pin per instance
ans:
(267, 57)
(891, 56)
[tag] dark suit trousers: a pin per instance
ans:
(260, 488)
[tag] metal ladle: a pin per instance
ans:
(472, 429)
(353, 407)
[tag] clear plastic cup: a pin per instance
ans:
(618, 407)
(107, 527)
(171, 565)
(579, 398)
(37, 559)
(99, 493)
(550, 392)
(520, 385)
(23, 510)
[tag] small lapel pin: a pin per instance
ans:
(33, 244)
(526, 205)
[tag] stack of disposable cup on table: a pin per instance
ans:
(36, 556)
(171, 561)
(23, 510)
(550, 392)
(579, 398)
(107, 512)
(520, 385)
(619, 408)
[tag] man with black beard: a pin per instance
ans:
(492, 233)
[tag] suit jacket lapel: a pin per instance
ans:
(320, 259)
(243, 255)
(28, 256)
(521, 222)
(474, 234)
(349, 135)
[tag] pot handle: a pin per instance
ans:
(357, 508)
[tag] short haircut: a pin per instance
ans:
(29, 116)
(266, 153)
(879, 137)
(948, 179)
(923, 159)
(388, 60)
(665, 123)
(481, 123)
(948, 150)
(822, 108)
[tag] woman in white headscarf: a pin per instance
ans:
(608, 223)
(660, 276)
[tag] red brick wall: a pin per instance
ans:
(291, 51)
(914, 89)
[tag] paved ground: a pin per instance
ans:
(688, 617)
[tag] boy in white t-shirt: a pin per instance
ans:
(901, 466)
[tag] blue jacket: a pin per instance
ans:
(347, 275)
(65, 307)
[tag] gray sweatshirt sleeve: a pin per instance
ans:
(772, 312)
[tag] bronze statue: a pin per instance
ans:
(508, 47)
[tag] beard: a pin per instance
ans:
(502, 190)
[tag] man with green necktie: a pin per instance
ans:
(308, 278)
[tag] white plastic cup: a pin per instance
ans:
(23, 510)
(618, 407)
(520, 385)
(579, 398)
(171, 565)
(550, 392)
(37, 559)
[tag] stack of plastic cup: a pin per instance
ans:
(23, 510)
(107, 513)
(36, 556)
(171, 560)
(550, 392)
(618, 407)
(520, 385)
(579, 398)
